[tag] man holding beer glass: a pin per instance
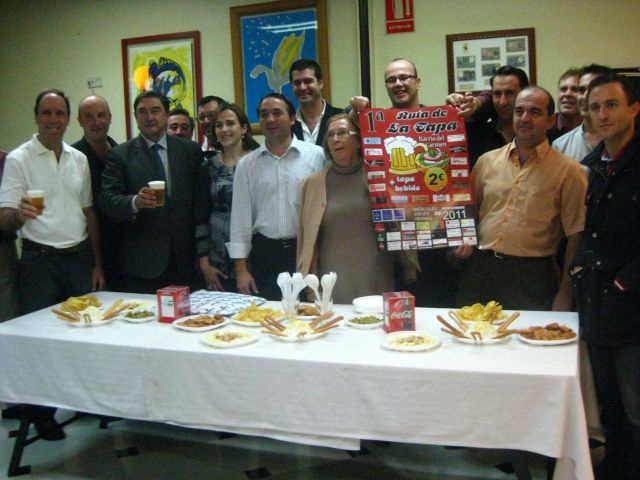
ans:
(46, 197)
(152, 187)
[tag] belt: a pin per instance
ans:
(276, 242)
(503, 256)
(31, 245)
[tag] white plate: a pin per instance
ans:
(369, 304)
(248, 337)
(154, 317)
(97, 323)
(305, 338)
(364, 326)
(488, 341)
(547, 343)
(175, 323)
(386, 342)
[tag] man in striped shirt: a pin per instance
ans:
(266, 198)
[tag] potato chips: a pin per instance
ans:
(490, 312)
(77, 304)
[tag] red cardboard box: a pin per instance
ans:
(173, 303)
(399, 311)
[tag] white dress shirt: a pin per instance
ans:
(266, 194)
(67, 190)
(308, 135)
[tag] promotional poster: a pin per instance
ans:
(418, 177)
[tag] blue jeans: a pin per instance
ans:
(616, 372)
(48, 276)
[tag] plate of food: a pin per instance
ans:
(139, 315)
(365, 322)
(89, 317)
(228, 338)
(549, 335)
(307, 311)
(200, 323)
(77, 304)
(253, 315)
(369, 304)
(409, 341)
(299, 331)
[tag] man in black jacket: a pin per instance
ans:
(607, 271)
(305, 76)
(158, 242)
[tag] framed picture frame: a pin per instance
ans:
(169, 64)
(266, 38)
(472, 57)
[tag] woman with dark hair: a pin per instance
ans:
(335, 231)
(234, 140)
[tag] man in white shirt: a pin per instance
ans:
(60, 246)
(266, 198)
(305, 76)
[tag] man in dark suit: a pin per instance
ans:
(314, 112)
(158, 244)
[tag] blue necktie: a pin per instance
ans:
(155, 148)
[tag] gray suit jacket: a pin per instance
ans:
(151, 236)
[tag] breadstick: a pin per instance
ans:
(456, 318)
(448, 325)
(319, 319)
(331, 322)
(268, 321)
(451, 332)
(273, 332)
(69, 317)
(112, 308)
(509, 321)
(326, 327)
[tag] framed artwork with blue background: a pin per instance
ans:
(266, 39)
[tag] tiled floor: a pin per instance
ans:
(141, 450)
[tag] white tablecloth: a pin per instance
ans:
(332, 391)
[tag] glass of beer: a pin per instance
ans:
(158, 188)
(36, 198)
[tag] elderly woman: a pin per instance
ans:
(335, 229)
(234, 140)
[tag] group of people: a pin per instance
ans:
(237, 213)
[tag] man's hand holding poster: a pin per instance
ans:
(418, 177)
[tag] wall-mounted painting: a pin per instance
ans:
(169, 64)
(473, 57)
(266, 39)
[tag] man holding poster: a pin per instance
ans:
(528, 196)
(438, 280)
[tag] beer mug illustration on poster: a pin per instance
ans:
(418, 177)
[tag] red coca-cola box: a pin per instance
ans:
(173, 303)
(399, 311)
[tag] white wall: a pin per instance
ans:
(59, 44)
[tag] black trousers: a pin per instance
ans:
(518, 283)
(268, 258)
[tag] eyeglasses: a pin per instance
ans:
(402, 78)
(340, 134)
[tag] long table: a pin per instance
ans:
(332, 391)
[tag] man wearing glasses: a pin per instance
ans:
(438, 281)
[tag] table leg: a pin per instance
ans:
(520, 466)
